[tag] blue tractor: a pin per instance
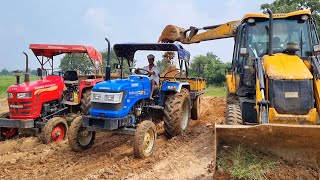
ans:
(123, 105)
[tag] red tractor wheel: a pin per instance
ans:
(58, 133)
(7, 133)
(55, 130)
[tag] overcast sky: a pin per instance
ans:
(88, 22)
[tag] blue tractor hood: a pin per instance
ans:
(133, 82)
(134, 88)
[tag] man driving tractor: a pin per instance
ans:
(153, 73)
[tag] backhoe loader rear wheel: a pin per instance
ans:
(144, 139)
(177, 113)
(85, 102)
(55, 130)
(233, 115)
(78, 137)
(7, 133)
(196, 108)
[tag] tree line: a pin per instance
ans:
(208, 66)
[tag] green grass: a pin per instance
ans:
(215, 91)
(245, 163)
(7, 80)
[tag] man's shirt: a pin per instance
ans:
(156, 70)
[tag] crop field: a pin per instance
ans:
(7, 80)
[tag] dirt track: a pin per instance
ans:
(187, 157)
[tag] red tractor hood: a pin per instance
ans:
(48, 83)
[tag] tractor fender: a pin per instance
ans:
(174, 86)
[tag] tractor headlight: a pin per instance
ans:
(172, 87)
(10, 95)
(101, 97)
(113, 97)
(96, 97)
(24, 95)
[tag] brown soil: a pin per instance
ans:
(111, 157)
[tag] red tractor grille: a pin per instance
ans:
(20, 108)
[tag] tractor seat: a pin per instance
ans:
(70, 76)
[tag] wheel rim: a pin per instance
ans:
(148, 141)
(84, 137)
(185, 116)
(58, 133)
(9, 132)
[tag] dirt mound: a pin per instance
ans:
(3, 105)
(213, 108)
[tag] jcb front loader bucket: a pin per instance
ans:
(291, 142)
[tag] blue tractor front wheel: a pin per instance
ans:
(144, 139)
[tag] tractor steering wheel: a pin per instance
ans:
(144, 71)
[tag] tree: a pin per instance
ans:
(210, 67)
(4, 71)
(283, 6)
(114, 60)
(83, 63)
(77, 61)
(167, 61)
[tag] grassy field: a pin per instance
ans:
(7, 80)
(215, 91)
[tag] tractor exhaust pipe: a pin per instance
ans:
(108, 69)
(270, 31)
(27, 75)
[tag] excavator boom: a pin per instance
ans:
(173, 33)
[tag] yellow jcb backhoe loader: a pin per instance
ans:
(273, 98)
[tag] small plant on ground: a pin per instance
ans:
(245, 163)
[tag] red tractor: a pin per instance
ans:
(39, 106)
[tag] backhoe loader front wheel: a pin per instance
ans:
(177, 113)
(231, 98)
(233, 115)
(80, 138)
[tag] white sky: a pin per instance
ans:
(88, 22)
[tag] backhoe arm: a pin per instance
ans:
(173, 33)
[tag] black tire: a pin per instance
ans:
(7, 133)
(233, 115)
(78, 137)
(85, 104)
(231, 98)
(196, 108)
(55, 130)
(144, 139)
(177, 113)
(157, 115)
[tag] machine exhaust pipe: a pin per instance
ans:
(108, 69)
(270, 31)
(27, 75)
